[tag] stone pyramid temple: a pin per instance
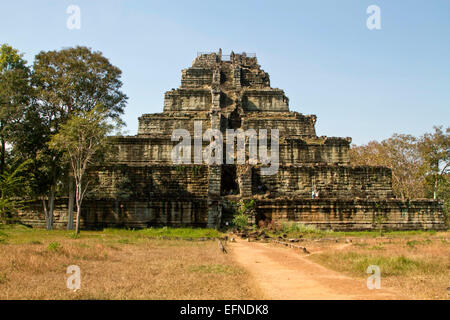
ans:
(314, 184)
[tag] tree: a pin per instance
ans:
(402, 155)
(81, 140)
(244, 211)
(420, 166)
(70, 82)
(14, 95)
(435, 149)
(13, 185)
(30, 141)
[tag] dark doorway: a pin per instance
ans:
(229, 185)
(234, 120)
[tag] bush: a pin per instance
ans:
(243, 210)
(295, 227)
(240, 221)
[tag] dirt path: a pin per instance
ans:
(284, 273)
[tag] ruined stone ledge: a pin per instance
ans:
(323, 140)
(98, 214)
(353, 201)
(186, 115)
(355, 214)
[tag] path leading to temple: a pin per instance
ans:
(286, 274)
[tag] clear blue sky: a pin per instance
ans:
(360, 83)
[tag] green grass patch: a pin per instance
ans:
(296, 229)
(194, 233)
(124, 241)
(35, 242)
(414, 243)
(54, 246)
(18, 234)
(377, 247)
(387, 233)
(213, 268)
(360, 244)
(184, 233)
(73, 235)
(357, 263)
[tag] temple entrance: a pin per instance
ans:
(234, 120)
(229, 185)
(262, 220)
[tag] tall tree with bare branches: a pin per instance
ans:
(82, 140)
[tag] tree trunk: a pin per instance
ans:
(44, 205)
(77, 227)
(71, 204)
(3, 149)
(2, 169)
(51, 205)
(435, 187)
(78, 200)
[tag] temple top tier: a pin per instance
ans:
(225, 83)
(233, 71)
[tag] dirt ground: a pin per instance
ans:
(411, 269)
(285, 274)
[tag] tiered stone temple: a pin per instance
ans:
(143, 187)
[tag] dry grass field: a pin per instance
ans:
(118, 264)
(170, 263)
(415, 264)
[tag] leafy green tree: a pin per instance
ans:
(14, 95)
(82, 140)
(77, 79)
(70, 82)
(402, 155)
(420, 166)
(244, 212)
(13, 186)
(435, 149)
(30, 142)
(30, 139)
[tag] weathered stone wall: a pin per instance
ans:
(331, 182)
(335, 214)
(196, 77)
(254, 78)
(327, 150)
(138, 196)
(144, 151)
(289, 125)
(347, 215)
(163, 125)
(265, 100)
(97, 214)
(147, 150)
(187, 100)
(151, 182)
